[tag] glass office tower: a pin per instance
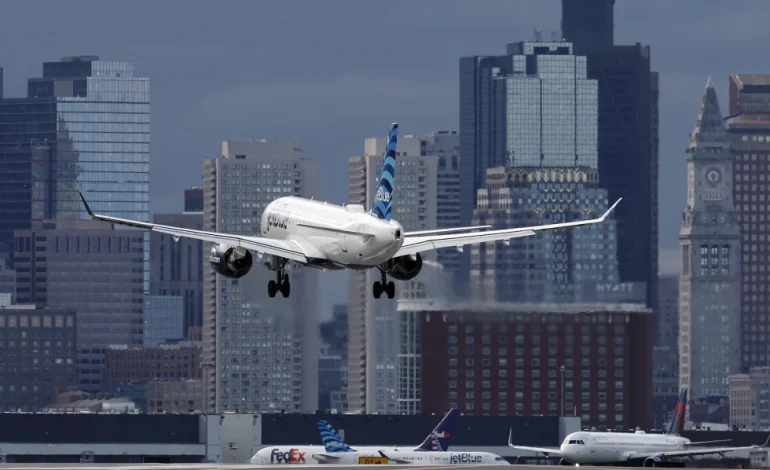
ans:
(102, 143)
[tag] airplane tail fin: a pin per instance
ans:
(331, 440)
(383, 199)
(438, 439)
(677, 421)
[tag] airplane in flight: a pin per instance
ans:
(597, 448)
(438, 439)
(337, 452)
(331, 237)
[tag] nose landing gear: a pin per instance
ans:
(384, 286)
(281, 284)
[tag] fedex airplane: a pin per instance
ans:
(330, 237)
(597, 448)
(437, 440)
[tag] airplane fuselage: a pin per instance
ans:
(315, 455)
(607, 447)
(311, 222)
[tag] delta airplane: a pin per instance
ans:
(437, 440)
(330, 237)
(597, 448)
(339, 453)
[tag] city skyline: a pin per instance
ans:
(191, 117)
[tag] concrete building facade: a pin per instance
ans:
(372, 324)
(750, 399)
(89, 267)
(710, 283)
(260, 353)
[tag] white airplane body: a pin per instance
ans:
(319, 455)
(331, 237)
(592, 448)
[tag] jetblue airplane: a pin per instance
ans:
(330, 237)
(597, 448)
(437, 440)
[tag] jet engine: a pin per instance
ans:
(403, 268)
(231, 261)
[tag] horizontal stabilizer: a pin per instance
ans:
(337, 230)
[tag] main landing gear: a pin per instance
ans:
(384, 286)
(281, 284)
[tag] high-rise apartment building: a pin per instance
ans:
(559, 266)
(445, 145)
(372, 325)
(709, 286)
(750, 399)
(84, 126)
(92, 269)
(748, 127)
(260, 353)
(666, 353)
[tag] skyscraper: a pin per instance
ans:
(101, 145)
(260, 353)
(710, 283)
(628, 133)
(748, 127)
(177, 267)
(373, 331)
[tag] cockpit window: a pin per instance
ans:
(578, 442)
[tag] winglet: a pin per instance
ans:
(767, 442)
(510, 438)
(382, 454)
(609, 211)
(88, 209)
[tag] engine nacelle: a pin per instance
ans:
(403, 268)
(231, 261)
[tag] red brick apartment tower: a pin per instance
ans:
(593, 361)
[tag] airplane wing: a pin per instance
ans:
(418, 244)
(695, 452)
(543, 450)
(445, 230)
(391, 459)
(283, 248)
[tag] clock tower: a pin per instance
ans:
(709, 284)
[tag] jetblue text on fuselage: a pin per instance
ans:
(279, 217)
(465, 458)
(292, 456)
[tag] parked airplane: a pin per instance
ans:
(330, 237)
(438, 439)
(339, 453)
(594, 448)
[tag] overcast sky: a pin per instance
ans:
(329, 73)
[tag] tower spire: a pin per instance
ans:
(709, 136)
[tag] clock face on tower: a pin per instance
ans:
(713, 176)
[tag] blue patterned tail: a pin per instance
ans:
(383, 200)
(331, 440)
(438, 439)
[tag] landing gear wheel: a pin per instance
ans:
(281, 284)
(390, 288)
(376, 289)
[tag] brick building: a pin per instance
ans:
(166, 363)
(588, 360)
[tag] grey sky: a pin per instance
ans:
(329, 73)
